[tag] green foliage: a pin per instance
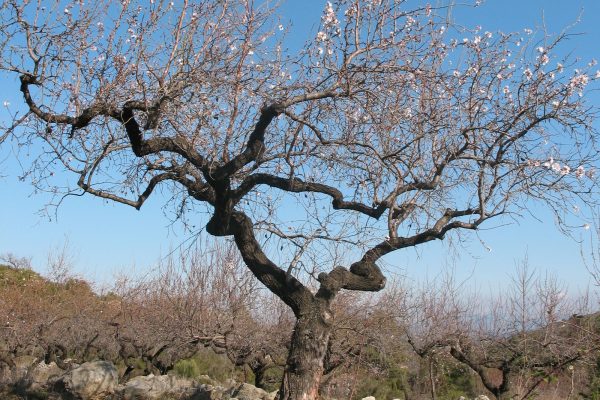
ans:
(593, 392)
(38, 395)
(23, 277)
(186, 369)
(394, 383)
(272, 378)
(207, 362)
(380, 388)
(455, 381)
(10, 276)
(217, 366)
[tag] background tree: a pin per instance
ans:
(531, 339)
(390, 128)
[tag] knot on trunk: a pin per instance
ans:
(362, 275)
(219, 224)
(370, 271)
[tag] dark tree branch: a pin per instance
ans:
(297, 185)
(140, 146)
(286, 287)
(488, 382)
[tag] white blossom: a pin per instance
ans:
(579, 81)
(350, 11)
(555, 167)
(329, 18)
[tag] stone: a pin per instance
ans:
(368, 398)
(94, 380)
(153, 387)
(22, 365)
(246, 391)
(42, 375)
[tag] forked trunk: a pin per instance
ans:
(304, 368)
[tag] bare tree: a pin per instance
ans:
(15, 261)
(199, 298)
(438, 312)
(390, 128)
(51, 320)
(516, 341)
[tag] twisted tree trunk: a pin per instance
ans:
(308, 347)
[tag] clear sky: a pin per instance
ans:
(106, 238)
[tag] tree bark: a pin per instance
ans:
(259, 377)
(308, 347)
(432, 379)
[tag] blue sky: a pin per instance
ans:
(106, 238)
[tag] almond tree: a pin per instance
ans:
(201, 299)
(517, 342)
(391, 127)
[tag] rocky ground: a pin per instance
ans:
(30, 379)
(98, 380)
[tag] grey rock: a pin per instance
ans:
(42, 376)
(246, 391)
(153, 387)
(20, 369)
(90, 381)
